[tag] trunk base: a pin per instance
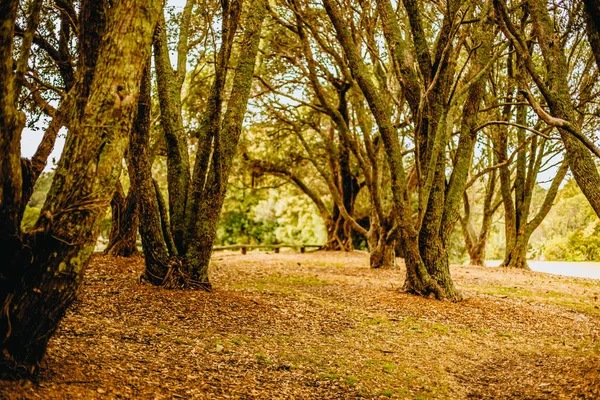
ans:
(173, 274)
(383, 257)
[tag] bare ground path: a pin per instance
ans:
(322, 326)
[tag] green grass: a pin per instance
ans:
(568, 298)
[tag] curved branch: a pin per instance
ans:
(560, 123)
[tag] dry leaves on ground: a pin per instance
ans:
(321, 325)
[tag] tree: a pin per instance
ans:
(476, 241)
(122, 241)
(178, 244)
(553, 86)
(432, 89)
(326, 123)
(45, 267)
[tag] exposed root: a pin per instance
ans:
(177, 276)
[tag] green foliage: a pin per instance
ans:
(268, 216)
(571, 231)
(578, 246)
(238, 223)
(29, 217)
(297, 220)
(40, 190)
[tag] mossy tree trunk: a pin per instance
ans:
(195, 200)
(210, 184)
(42, 280)
(382, 248)
(124, 224)
(592, 21)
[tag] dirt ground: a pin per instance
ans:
(322, 325)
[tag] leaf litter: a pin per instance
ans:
(321, 325)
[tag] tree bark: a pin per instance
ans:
(44, 281)
(592, 22)
(382, 249)
(162, 266)
(178, 165)
(124, 224)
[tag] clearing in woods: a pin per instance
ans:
(322, 325)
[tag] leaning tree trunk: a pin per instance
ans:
(45, 279)
(124, 225)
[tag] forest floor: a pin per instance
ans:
(322, 325)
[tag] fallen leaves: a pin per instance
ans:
(321, 325)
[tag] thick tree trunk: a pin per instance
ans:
(382, 254)
(516, 256)
(45, 280)
(418, 280)
(124, 224)
(11, 125)
(477, 254)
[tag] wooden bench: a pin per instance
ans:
(276, 247)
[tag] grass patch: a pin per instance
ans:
(389, 367)
(350, 381)
(294, 280)
(262, 359)
(569, 298)
(329, 375)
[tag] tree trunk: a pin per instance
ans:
(163, 268)
(477, 254)
(11, 125)
(383, 253)
(516, 256)
(45, 278)
(203, 222)
(592, 21)
(124, 224)
(178, 165)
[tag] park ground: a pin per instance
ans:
(322, 325)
